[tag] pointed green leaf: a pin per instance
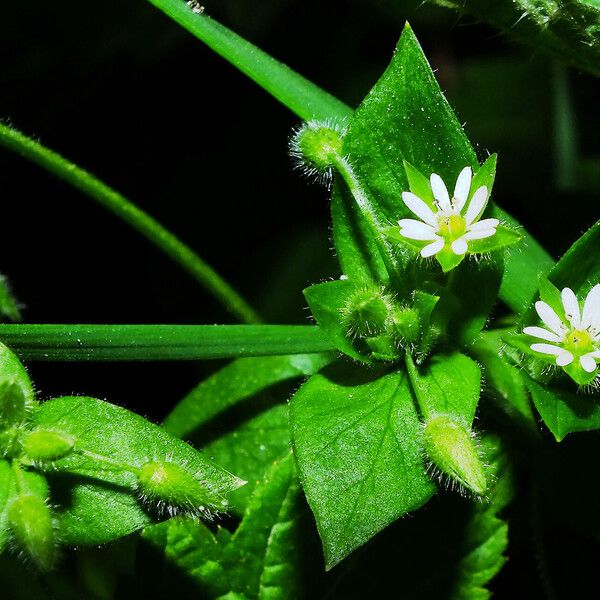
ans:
(356, 439)
(98, 502)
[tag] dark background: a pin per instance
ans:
(124, 92)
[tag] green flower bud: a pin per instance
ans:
(16, 392)
(451, 448)
(383, 347)
(367, 312)
(170, 486)
(46, 446)
(317, 146)
(31, 523)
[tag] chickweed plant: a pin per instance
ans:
(416, 420)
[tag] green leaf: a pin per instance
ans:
(160, 342)
(250, 450)
(98, 501)
(356, 439)
(16, 391)
(419, 185)
(327, 301)
(568, 30)
(564, 411)
(238, 381)
(260, 560)
(504, 380)
(448, 384)
(294, 91)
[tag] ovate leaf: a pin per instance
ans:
(356, 439)
(98, 502)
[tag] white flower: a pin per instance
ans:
(581, 338)
(453, 223)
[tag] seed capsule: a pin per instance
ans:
(170, 486)
(452, 450)
(30, 521)
(46, 446)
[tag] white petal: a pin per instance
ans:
(587, 362)
(591, 308)
(550, 318)
(595, 354)
(416, 230)
(485, 224)
(564, 359)
(416, 205)
(543, 334)
(440, 193)
(459, 246)
(477, 204)
(571, 306)
(432, 249)
(547, 349)
(462, 187)
(479, 234)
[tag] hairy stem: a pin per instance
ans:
(129, 213)
(159, 342)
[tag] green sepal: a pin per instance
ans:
(419, 185)
(503, 237)
(448, 259)
(43, 445)
(16, 392)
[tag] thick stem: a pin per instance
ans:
(132, 215)
(160, 342)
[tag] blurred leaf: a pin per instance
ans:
(8, 303)
(569, 29)
(98, 501)
(239, 380)
(356, 439)
(260, 560)
(5, 486)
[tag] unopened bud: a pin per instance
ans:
(46, 445)
(16, 392)
(30, 521)
(168, 485)
(317, 146)
(367, 312)
(451, 448)
(407, 324)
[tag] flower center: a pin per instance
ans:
(451, 226)
(579, 341)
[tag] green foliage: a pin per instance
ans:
(356, 438)
(260, 560)
(9, 306)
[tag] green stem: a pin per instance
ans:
(366, 207)
(411, 369)
(132, 215)
(160, 342)
(19, 479)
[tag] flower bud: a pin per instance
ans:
(317, 146)
(451, 448)
(11, 442)
(407, 324)
(367, 312)
(30, 521)
(44, 445)
(170, 486)
(16, 392)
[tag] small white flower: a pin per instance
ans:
(453, 223)
(579, 339)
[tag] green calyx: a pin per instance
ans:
(171, 487)
(32, 526)
(451, 448)
(16, 391)
(368, 312)
(42, 445)
(317, 145)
